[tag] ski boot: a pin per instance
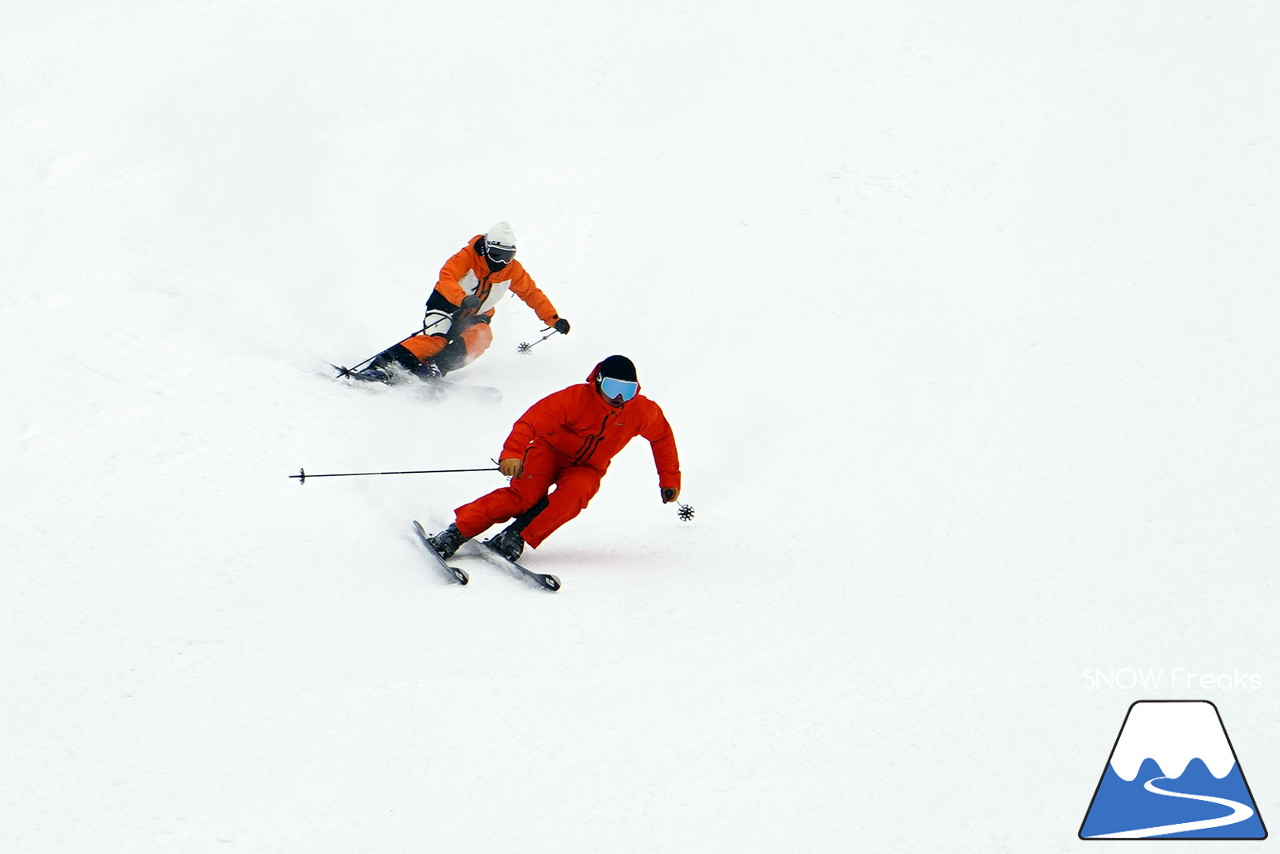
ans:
(429, 371)
(509, 544)
(447, 541)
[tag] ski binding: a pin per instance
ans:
(456, 574)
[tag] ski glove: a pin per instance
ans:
(471, 302)
(669, 494)
(561, 325)
(511, 467)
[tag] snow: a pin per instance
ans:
(1173, 734)
(965, 319)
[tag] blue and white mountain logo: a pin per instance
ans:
(1173, 774)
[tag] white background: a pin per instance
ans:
(965, 317)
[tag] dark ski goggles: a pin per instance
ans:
(499, 254)
(615, 389)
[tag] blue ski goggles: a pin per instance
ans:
(614, 389)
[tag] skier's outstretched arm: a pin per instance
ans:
(665, 456)
(522, 285)
(538, 420)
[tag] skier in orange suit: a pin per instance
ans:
(455, 328)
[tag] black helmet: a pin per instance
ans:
(616, 380)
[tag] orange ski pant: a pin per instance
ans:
(477, 339)
(575, 485)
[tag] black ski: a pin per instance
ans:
(548, 582)
(456, 574)
(434, 388)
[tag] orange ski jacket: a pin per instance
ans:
(467, 273)
(583, 429)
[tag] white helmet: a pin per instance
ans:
(500, 243)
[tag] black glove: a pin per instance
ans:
(561, 326)
(669, 494)
(471, 302)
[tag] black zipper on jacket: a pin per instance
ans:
(592, 442)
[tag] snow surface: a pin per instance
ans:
(965, 316)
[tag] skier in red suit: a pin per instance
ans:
(556, 455)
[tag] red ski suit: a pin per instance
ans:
(567, 440)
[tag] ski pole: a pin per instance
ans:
(346, 372)
(302, 475)
(525, 347)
